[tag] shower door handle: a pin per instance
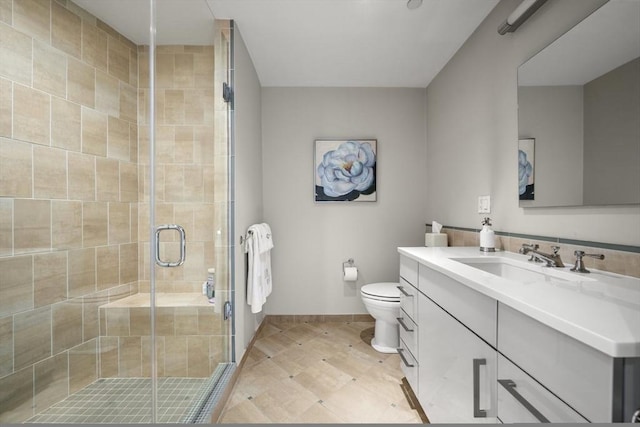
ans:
(183, 245)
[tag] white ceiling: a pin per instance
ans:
(352, 43)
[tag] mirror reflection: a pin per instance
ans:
(579, 100)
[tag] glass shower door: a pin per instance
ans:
(187, 195)
(82, 300)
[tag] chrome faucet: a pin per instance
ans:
(579, 267)
(552, 260)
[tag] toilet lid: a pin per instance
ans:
(385, 291)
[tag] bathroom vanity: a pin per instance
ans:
(490, 337)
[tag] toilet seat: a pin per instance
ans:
(384, 291)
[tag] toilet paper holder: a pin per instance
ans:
(348, 263)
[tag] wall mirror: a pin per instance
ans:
(579, 100)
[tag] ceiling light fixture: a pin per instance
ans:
(414, 4)
(518, 16)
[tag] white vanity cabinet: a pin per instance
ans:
(585, 380)
(496, 348)
(457, 367)
(521, 399)
(408, 321)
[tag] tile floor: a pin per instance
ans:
(126, 401)
(318, 372)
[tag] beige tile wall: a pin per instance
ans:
(184, 164)
(68, 196)
(189, 341)
(621, 262)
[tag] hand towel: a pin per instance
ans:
(258, 247)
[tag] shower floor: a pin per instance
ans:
(126, 401)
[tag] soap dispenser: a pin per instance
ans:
(487, 237)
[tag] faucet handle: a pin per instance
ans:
(579, 266)
(555, 249)
(580, 254)
(529, 247)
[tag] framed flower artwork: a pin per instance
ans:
(345, 170)
(526, 168)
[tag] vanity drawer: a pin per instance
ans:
(578, 374)
(476, 311)
(409, 270)
(408, 333)
(408, 299)
(409, 366)
(521, 399)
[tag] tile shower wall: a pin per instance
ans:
(184, 164)
(190, 339)
(68, 196)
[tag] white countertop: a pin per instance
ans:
(601, 310)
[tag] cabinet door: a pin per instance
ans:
(456, 369)
(521, 399)
(580, 375)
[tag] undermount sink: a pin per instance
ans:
(522, 271)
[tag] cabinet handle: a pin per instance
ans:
(405, 293)
(477, 412)
(404, 359)
(404, 325)
(510, 386)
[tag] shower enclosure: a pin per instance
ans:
(114, 203)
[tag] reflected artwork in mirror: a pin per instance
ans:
(526, 159)
(580, 98)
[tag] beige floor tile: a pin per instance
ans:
(273, 344)
(318, 414)
(295, 359)
(302, 332)
(322, 379)
(285, 400)
(318, 372)
(356, 404)
(244, 413)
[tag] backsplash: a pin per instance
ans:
(617, 258)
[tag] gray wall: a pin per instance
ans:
(472, 134)
(248, 180)
(612, 136)
(553, 115)
(313, 239)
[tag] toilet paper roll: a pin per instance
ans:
(350, 274)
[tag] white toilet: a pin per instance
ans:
(382, 301)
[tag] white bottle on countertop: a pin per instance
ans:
(487, 237)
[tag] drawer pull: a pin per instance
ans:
(405, 293)
(510, 386)
(404, 359)
(477, 412)
(404, 325)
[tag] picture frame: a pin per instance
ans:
(526, 169)
(345, 170)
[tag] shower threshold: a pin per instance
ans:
(127, 401)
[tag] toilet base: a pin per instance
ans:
(382, 349)
(385, 337)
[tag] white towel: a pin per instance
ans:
(258, 245)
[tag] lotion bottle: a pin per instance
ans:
(487, 237)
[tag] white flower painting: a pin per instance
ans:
(526, 186)
(345, 170)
